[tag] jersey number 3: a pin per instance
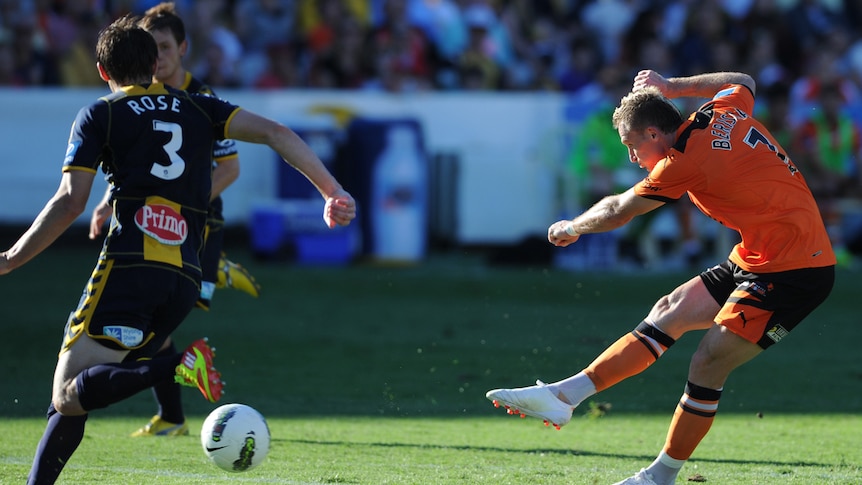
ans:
(176, 164)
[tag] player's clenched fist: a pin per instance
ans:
(562, 234)
(340, 209)
(650, 78)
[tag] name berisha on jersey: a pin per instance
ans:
(142, 104)
(722, 126)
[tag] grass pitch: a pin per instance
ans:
(376, 375)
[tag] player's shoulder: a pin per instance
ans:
(96, 109)
(735, 95)
(197, 86)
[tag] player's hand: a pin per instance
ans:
(101, 214)
(651, 78)
(339, 210)
(558, 236)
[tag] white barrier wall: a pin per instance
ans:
(507, 146)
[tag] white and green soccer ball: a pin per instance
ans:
(235, 437)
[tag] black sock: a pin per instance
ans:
(61, 438)
(104, 384)
(168, 394)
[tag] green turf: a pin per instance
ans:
(377, 374)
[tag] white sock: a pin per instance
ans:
(574, 389)
(665, 469)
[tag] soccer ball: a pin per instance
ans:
(235, 437)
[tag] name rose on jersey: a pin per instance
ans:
(143, 104)
(162, 223)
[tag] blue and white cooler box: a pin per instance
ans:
(294, 229)
(291, 226)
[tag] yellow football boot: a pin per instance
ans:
(159, 427)
(233, 275)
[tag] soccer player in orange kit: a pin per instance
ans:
(783, 268)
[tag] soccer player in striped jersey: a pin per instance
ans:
(168, 29)
(154, 143)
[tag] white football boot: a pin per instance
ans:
(536, 401)
(639, 478)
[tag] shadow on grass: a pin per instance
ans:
(555, 451)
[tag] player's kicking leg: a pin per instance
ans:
(170, 420)
(196, 370)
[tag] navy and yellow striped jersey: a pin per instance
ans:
(155, 145)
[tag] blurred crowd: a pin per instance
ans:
(806, 56)
(410, 45)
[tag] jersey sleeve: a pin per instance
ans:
(86, 140)
(221, 113)
(671, 178)
(224, 150)
(735, 95)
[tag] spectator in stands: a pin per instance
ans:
(260, 24)
(775, 114)
(281, 70)
(76, 64)
(34, 63)
(551, 60)
(7, 60)
(215, 49)
(476, 66)
(812, 21)
(821, 67)
(829, 148)
(346, 61)
(609, 20)
(402, 56)
(707, 24)
(442, 22)
(762, 59)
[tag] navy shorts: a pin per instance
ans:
(131, 306)
(764, 307)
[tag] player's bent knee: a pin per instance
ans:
(701, 361)
(66, 402)
(68, 408)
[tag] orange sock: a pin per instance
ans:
(691, 420)
(629, 355)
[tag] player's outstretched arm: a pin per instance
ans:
(340, 207)
(700, 85)
(607, 214)
(58, 214)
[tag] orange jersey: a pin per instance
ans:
(736, 173)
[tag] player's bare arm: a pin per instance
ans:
(340, 207)
(607, 214)
(62, 209)
(701, 85)
(101, 213)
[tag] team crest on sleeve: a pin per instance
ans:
(162, 223)
(70, 151)
(724, 92)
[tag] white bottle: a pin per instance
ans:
(399, 199)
